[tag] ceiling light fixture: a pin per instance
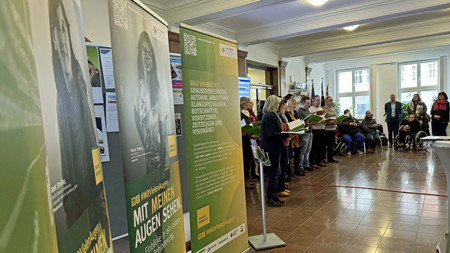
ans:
(317, 2)
(351, 28)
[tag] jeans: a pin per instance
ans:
(392, 129)
(359, 137)
(305, 149)
(273, 174)
(374, 138)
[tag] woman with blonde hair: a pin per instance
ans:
(246, 144)
(272, 143)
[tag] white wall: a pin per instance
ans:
(295, 68)
(96, 21)
(263, 53)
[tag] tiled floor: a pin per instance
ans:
(391, 201)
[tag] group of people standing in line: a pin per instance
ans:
(314, 149)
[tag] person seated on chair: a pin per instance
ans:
(410, 126)
(349, 130)
(370, 129)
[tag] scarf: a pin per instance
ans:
(440, 105)
(252, 116)
(246, 113)
(284, 129)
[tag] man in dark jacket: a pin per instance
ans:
(393, 110)
(349, 130)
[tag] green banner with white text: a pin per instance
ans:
(214, 149)
(147, 128)
(26, 217)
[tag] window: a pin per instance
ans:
(420, 77)
(353, 91)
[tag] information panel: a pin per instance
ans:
(147, 128)
(76, 180)
(26, 214)
(213, 138)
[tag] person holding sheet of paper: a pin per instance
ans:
(318, 130)
(305, 139)
(330, 128)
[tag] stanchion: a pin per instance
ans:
(264, 241)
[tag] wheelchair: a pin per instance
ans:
(412, 140)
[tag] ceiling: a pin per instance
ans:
(297, 28)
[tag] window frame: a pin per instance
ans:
(353, 93)
(419, 88)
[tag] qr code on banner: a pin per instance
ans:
(120, 14)
(190, 44)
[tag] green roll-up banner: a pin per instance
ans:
(26, 216)
(213, 138)
(76, 180)
(147, 128)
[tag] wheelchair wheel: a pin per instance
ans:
(408, 142)
(396, 140)
(420, 145)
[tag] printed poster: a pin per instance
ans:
(147, 128)
(94, 74)
(107, 67)
(102, 137)
(77, 189)
(213, 138)
(26, 215)
(112, 119)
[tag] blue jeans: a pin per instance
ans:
(273, 174)
(374, 138)
(305, 149)
(359, 137)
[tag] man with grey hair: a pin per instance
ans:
(393, 110)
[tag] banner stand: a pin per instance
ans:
(264, 241)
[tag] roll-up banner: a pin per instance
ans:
(76, 179)
(213, 138)
(142, 76)
(26, 215)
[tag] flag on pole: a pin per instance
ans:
(322, 99)
(313, 94)
(328, 84)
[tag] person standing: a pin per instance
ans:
(330, 128)
(246, 144)
(306, 138)
(292, 115)
(439, 115)
(318, 130)
(393, 110)
(272, 143)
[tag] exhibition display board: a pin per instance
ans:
(76, 180)
(213, 142)
(147, 128)
(26, 216)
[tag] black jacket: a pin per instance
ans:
(398, 111)
(345, 128)
(271, 136)
(442, 113)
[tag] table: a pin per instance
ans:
(441, 145)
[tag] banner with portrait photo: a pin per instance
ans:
(213, 142)
(147, 128)
(26, 215)
(76, 182)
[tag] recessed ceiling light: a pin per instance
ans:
(317, 2)
(351, 28)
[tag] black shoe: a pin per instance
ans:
(300, 172)
(273, 203)
(288, 179)
(309, 169)
(333, 161)
(276, 199)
